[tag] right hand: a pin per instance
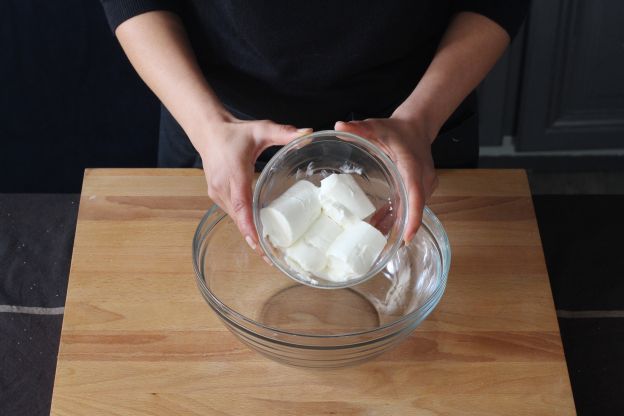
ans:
(229, 148)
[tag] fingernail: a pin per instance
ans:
(267, 261)
(304, 130)
(250, 242)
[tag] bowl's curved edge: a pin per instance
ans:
(223, 310)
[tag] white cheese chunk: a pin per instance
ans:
(354, 252)
(308, 254)
(291, 214)
(302, 255)
(322, 233)
(338, 213)
(342, 199)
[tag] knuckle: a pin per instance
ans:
(435, 182)
(264, 124)
(283, 128)
(215, 185)
(260, 128)
(215, 198)
(238, 205)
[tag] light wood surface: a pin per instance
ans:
(138, 338)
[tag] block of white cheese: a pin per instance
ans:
(308, 254)
(289, 216)
(353, 252)
(338, 212)
(304, 257)
(343, 200)
(322, 233)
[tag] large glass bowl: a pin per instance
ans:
(305, 326)
(314, 157)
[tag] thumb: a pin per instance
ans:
(361, 128)
(270, 133)
(370, 129)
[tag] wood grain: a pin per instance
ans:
(138, 339)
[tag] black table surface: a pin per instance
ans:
(582, 245)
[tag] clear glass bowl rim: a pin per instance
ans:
(388, 164)
(225, 311)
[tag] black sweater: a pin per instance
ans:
(312, 62)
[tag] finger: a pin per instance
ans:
(361, 128)
(369, 129)
(383, 218)
(414, 216)
(268, 133)
(240, 208)
(213, 192)
(433, 185)
(416, 204)
(220, 202)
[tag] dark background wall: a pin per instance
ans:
(573, 76)
(560, 85)
(68, 97)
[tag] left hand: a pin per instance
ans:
(409, 146)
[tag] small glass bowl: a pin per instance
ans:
(314, 157)
(299, 325)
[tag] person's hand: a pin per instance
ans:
(409, 146)
(229, 148)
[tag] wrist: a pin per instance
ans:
(419, 122)
(203, 124)
(206, 119)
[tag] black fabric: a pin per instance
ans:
(28, 348)
(175, 150)
(307, 62)
(457, 146)
(118, 11)
(508, 14)
(594, 350)
(36, 238)
(581, 236)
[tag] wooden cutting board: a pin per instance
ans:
(138, 339)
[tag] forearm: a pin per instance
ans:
(158, 48)
(469, 49)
